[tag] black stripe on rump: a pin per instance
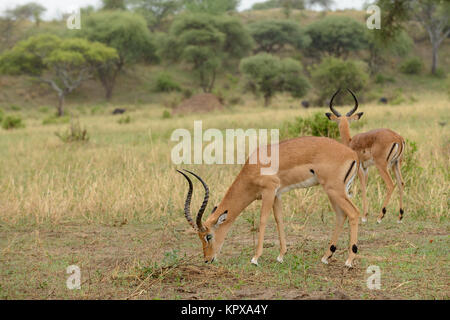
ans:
(349, 170)
(391, 151)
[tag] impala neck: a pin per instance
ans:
(238, 196)
(344, 130)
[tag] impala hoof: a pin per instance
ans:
(378, 220)
(348, 264)
(399, 221)
(324, 260)
(280, 259)
(254, 261)
(363, 219)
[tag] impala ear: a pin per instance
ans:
(222, 219)
(360, 114)
(356, 116)
(328, 114)
(331, 116)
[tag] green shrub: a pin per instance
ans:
(165, 83)
(316, 125)
(333, 73)
(382, 79)
(124, 120)
(75, 133)
(55, 120)
(166, 114)
(411, 66)
(12, 122)
(410, 165)
(15, 107)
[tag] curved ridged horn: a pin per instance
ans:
(336, 113)
(204, 204)
(356, 104)
(187, 204)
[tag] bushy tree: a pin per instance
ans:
(155, 11)
(337, 35)
(273, 35)
(333, 73)
(268, 75)
(433, 15)
(378, 48)
(63, 64)
(206, 42)
(211, 6)
(128, 34)
(31, 10)
(113, 5)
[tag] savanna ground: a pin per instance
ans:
(114, 207)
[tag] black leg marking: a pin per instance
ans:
(354, 248)
(384, 212)
(401, 211)
(332, 248)
(312, 171)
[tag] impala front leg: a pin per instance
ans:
(277, 211)
(268, 198)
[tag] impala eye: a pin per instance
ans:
(208, 237)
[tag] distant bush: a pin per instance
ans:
(55, 120)
(124, 120)
(12, 122)
(166, 114)
(412, 66)
(15, 107)
(333, 73)
(165, 83)
(75, 133)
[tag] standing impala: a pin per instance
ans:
(303, 162)
(380, 147)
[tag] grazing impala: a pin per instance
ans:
(380, 147)
(303, 162)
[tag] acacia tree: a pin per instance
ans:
(273, 35)
(268, 75)
(31, 10)
(63, 64)
(337, 36)
(211, 6)
(433, 15)
(155, 11)
(128, 34)
(206, 42)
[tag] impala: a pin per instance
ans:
(303, 162)
(380, 147)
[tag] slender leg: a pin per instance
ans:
(363, 175)
(341, 200)
(398, 176)
(277, 211)
(268, 198)
(382, 169)
(340, 220)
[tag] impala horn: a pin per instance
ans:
(356, 104)
(198, 224)
(336, 113)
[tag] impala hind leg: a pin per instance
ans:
(277, 211)
(342, 201)
(268, 198)
(340, 220)
(363, 175)
(382, 169)
(401, 185)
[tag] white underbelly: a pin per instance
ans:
(304, 184)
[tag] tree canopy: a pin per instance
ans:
(63, 64)
(273, 35)
(337, 35)
(268, 74)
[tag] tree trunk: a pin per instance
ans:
(60, 110)
(435, 59)
(266, 100)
